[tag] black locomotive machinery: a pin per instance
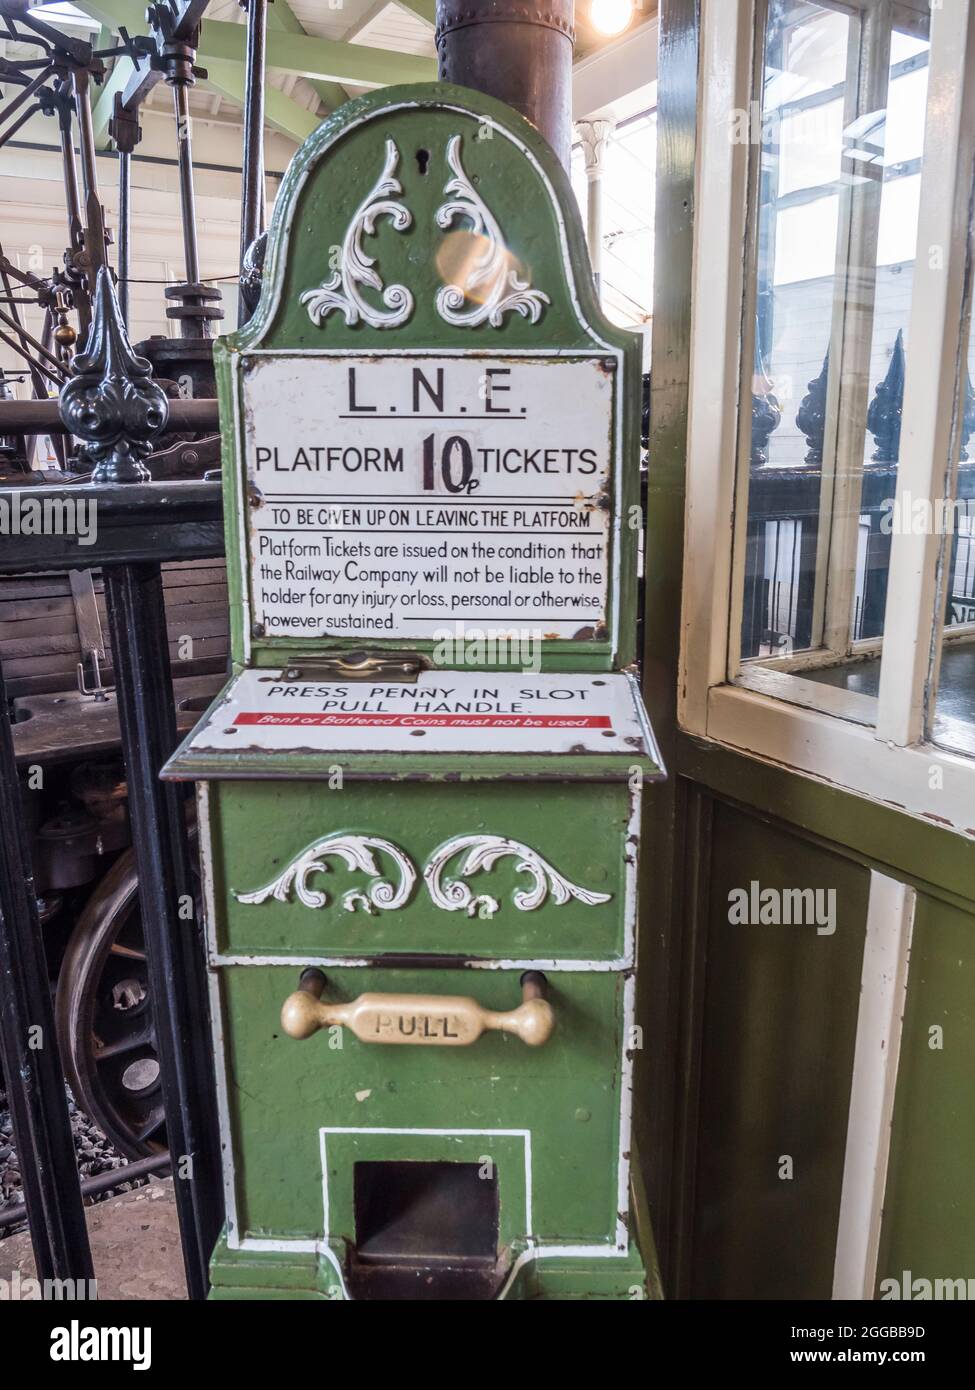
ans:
(54, 645)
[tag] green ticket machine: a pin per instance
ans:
(419, 793)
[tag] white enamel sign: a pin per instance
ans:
(443, 712)
(418, 496)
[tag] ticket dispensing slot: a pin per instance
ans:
(420, 790)
(426, 1230)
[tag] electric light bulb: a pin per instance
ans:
(611, 16)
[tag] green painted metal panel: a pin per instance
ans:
(237, 1275)
(779, 1027)
(260, 828)
(929, 1204)
(563, 1098)
(490, 828)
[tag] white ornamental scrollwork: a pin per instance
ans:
(341, 290)
(453, 895)
(492, 283)
(357, 853)
(483, 852)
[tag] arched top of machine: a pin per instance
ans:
(427, 215)
(428, 370)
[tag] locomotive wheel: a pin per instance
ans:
(104, 1017)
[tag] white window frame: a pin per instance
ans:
(879, 748)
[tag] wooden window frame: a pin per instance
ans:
(880, 748)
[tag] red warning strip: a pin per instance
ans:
(428, 721)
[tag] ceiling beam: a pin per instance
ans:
(426, 9)
(326, 60)
(101, 112)
(280, 15)
(280, 112)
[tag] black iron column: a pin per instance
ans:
(252, 191)
(62, 106)
(518, 52)
(176, 37)
(174, 945)
(114, 406)
(29, 1048)
(126, 132)
(94, 214)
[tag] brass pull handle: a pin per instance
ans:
(432, 1020)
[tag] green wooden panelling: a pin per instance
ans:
(659, 1001)
(906, 847)
(260, 827)
(783, 1058)
(929, 1206)
(565, 1093)
(779, 1027)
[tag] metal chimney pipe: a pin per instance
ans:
(518, 52)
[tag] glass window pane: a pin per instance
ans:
(803, 102)
(907, 96)
(577, 177)
(628, 209)
(838, 196)
(954, 721)
(810, 145)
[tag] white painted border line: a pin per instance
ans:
(883, 994)
(392, 962)
(846, 755)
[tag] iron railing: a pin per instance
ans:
(782, 524)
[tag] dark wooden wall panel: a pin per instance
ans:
(779, 1028)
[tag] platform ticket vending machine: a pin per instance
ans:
(419, 792)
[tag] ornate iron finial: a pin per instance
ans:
(886, 408)
(811, 415)
(766, 412)
(968, 417)
(111, 401)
